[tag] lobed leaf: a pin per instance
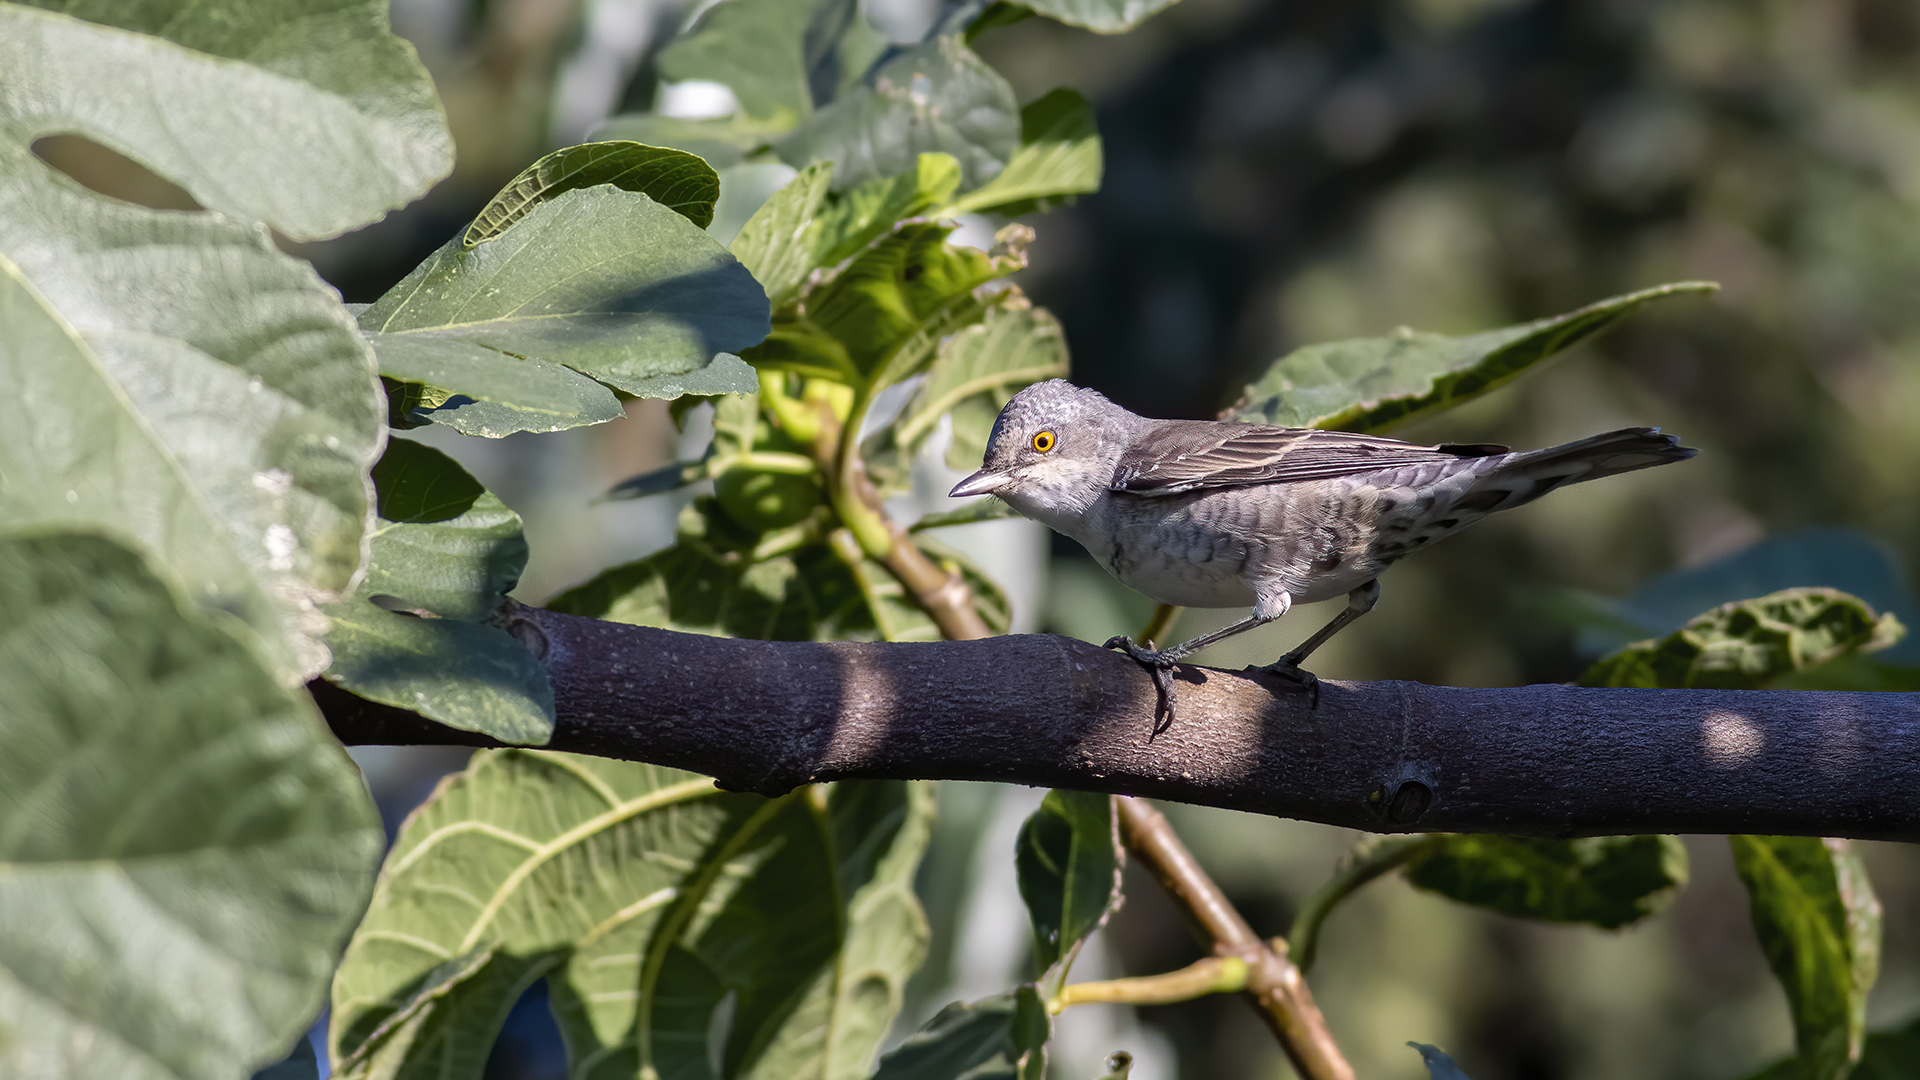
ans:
(604, 281)
(218, 83)
(1819, 924)
(1059, 155)
(1745, 645)
(183, 846)
(125, 330)
(675, 179)
(1068, 860)
(680, 928)
(1371, 384)
(933, 97)
(444, 545)
(1608, 881)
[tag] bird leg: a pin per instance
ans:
(1359, 602)
(1160, 662)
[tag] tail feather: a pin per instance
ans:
(1515, 479)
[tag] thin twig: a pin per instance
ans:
(1209, 975)
(1274, 984)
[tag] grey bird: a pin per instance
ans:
(1205, 513)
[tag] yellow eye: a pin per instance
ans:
(1043, 441)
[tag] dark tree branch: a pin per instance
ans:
(1054, 712)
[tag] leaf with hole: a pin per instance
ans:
(1819, 924)
(1607, 881)
(172, 818)
(218, 83)
(1372, 384)
(604, 281)
(1745, 645)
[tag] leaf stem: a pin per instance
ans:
(1370, 858)
(1161, 624)
(1274, 983)
(1212, 975)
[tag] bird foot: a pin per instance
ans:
(1289, 669)
(1160, 666)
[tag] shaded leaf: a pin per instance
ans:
(1608, 881)
(193, 316)
(1819, 924)
(781, 58)
(682, 929)
(445, 545)
(675, 179)
(899, 618)
(1744, 645)
(1371, 384)
(219, 84)
(499, 394)
(1003, 1037)
(170, 817)
(604, 281)
(933, 97)
(1059, 155)
(1068, 860)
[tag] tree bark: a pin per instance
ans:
(1051, 711)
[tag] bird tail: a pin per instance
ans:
(1523, 477)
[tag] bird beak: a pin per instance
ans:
(984, 482)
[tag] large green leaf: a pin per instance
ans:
(1068, 860)
(933, 97)
(1059, 155)
(604, 281)
(1819, 924)
(781, 58)
(1608, 881)
(445, 546)
(175, 379)
(1003, 1037)
(862, 215)
(1371, 384)
(183, 847)
(309, 115)
(1744, 645)
(675, 179)
(684, 931)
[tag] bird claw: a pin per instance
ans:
(1160, 667)
(1289, 669)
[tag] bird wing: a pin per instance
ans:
(1185, 455)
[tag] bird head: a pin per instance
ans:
(1053, 450)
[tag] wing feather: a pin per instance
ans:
(1186, 455)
